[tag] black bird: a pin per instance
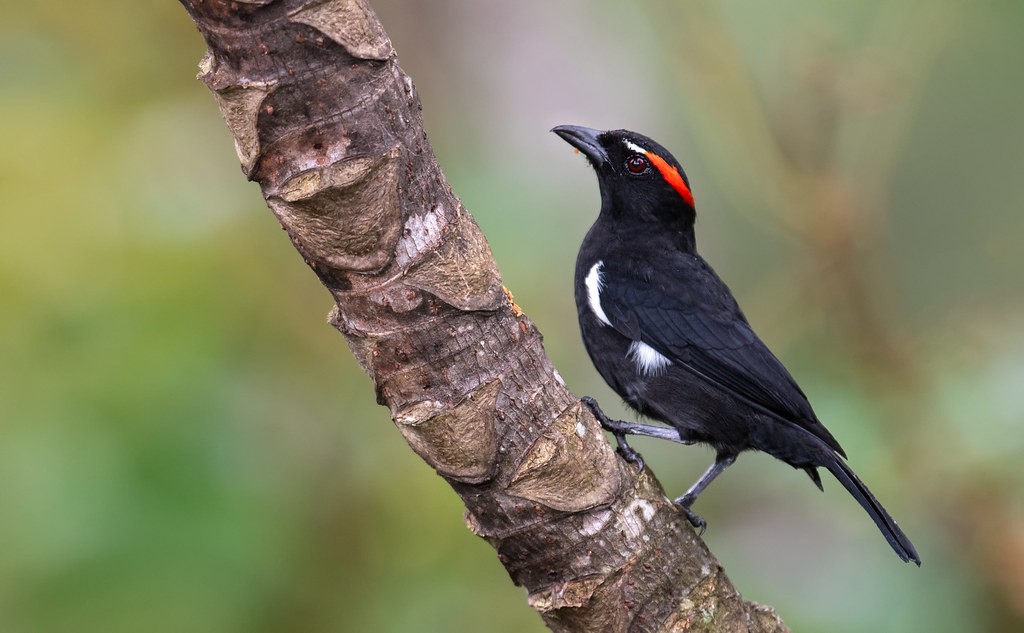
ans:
(667, 335)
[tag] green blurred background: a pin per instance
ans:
(185, 445)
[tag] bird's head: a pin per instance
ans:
(639, 178)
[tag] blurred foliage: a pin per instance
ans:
(185, 445)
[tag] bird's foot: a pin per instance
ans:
(684, 502)
(628, 452)
(617, 429)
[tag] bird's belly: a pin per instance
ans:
(672, 394)
(609, 351)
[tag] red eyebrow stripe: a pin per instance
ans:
(671, 176)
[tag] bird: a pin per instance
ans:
(667, 335)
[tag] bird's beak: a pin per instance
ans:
(585, 140)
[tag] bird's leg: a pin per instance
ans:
(620, 429)
(722, 461)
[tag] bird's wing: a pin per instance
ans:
(695, 322)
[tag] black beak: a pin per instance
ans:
(585, 140)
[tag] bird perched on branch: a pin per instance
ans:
(667, 335)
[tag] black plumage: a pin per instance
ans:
(666, 334)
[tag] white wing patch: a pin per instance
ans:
(634, 147)
(593, 283)
(649, 362)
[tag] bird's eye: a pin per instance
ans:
(637, 164)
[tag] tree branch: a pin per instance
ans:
(330, 127)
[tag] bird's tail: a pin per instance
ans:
(886, 524)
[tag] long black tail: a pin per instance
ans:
(892, 532)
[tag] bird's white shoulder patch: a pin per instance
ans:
(649, 362)
(594, 284)
(634, 147)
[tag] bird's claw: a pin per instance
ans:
(695, 519)
(628, 453)
(623, 448)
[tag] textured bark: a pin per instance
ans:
(330, 127)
